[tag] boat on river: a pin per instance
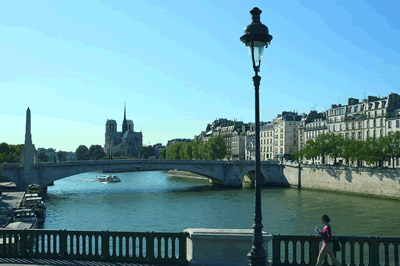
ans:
(37, 205)
(23, 219)
(108, 179)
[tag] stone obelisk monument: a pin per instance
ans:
(29, 157)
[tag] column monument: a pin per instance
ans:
(29, 158)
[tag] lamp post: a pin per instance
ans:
(255, 37)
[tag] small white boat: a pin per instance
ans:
(108, 179)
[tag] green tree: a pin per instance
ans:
(61, 156)
(80, 153)
(4, 148)
(173, 151)
(310, 150)
(145, 152)
(196, 149)
(183, 151)
(98, 154)
(95, 152)
(217, 147)
(205, 151)
(117, 154)
(163, 154)
(391, 146)
(373, 151)
(323, 145)
(43, 157)
(188, 151)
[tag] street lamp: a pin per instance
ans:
(255, 37)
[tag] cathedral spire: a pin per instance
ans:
(124, 123)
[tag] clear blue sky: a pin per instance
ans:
(180, 64)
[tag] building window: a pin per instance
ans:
(367, 133)
(374, 122)
(381, 133)
(376, 113)
(359, 135)
(389, 124)
(367, 123)
(397, 123)
(359, 124)
(347, 135)
(341, 127)
(352, 125)
(374, 133)
(353, 135)
(347, 126)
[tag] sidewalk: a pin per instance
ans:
(36, 262)
(8, 201)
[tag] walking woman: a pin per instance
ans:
(327, 246)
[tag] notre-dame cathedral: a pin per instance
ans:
(127, 142)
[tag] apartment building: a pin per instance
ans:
(372, 117)
(285, 134)
(267, 141)
(250, 142)
(239, 143)
(311, 126)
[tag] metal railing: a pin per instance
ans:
(170, 248)
(355, 250)
(146, 247)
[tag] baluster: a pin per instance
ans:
(134, 247)
(37, 242)
(49, 236)
(114, 240)
(352, 253)
(386, 245)
(166, 247)
(91, 246)
(286, 250)
(141, 247)
(83, 245)
(127, 245)
(159, 247)
(173, 247)
(42, 236)
(361, 253)
(120, 247)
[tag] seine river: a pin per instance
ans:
(154, 201)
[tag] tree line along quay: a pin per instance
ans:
(372, 151)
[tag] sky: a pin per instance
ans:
(179, 64)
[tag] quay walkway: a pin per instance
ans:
(58, 262)
(9, 199)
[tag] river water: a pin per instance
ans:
(154, 201)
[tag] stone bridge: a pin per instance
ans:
(229, 173)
